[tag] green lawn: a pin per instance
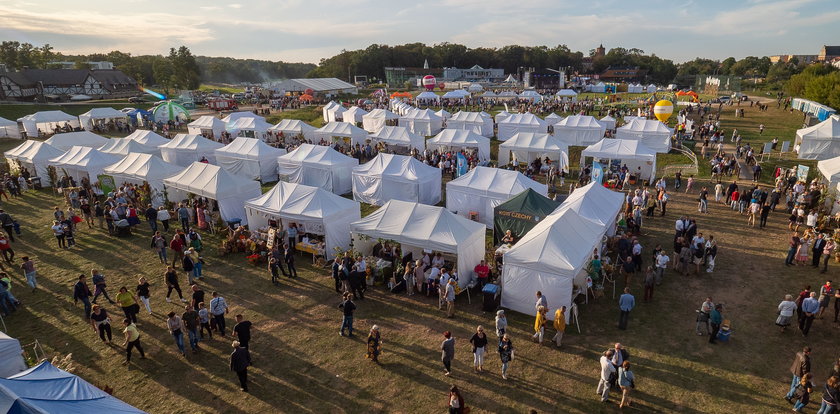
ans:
(222, 88)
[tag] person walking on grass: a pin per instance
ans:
(449, 295)
(171, 279)
(716, 319)
(101, 323)
(627, 381)
(347, 308)
(559, 325)
(132, 340)
(128, 303)
(801, 366)
(81, 292)
(173, 323)
(786, 309)
(99, 286)
(240, 359)
(802, 395)
(218, 308)
(143, 294)
(810, 307)
(479, 343)
(374, 344)
(608, 373)
(159, 244)
(626, 303)
(505, 353)
(190, 321)
(539, 325)
(242, 331)
(30, 273)
(447, 348)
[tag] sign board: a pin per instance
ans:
(785, 146)
(802, 172)
(106, 183)
(768, 146)
(272, 235)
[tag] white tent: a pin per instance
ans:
(489, 94)
(11, 357)
(475, 88)
(343, 132)
(654, 134)
(123, 146)
(608, 122)
(630, 118)
(651, 88)
(327, 108)
(551, 258)
(355, 115)
(638, 158)
(294, 128)
(185, 149)
(472, 121)
(46, 122)
(249, 127)
(34, 156)
(250, 157)
(635, 88)
(579, 130)
(530, 95)
(233, 116)
(484, 188)
(374, 120)
(507, 95)
(427, 97)
(596, 203)
(829, 169)
(599, 87)
(528, 146)
(100, 116)
(456, 94)
(211, 181)
(443, 114)
(9, 129)
(207, 125)
(83, 162)
(422, 121)
(514, 123)
(553, 118)
(821, 141)
(144, 136)
(566, 95)
(335, 113)
(138, 168)
(396, 177)
(68, 140)
(313, 209)
(417, 227)
(318, 166)
(501, 116)
(400, 137)
(457, 139)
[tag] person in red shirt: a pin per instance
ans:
(734, 198)
(177, 246)
(482, 271)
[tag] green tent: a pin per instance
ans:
(520, 214)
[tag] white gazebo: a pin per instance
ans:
(230, 191)
(417, 227)
(400, 137)
(422, 121)
(597, 203)
(207, 125)
(567, 95)
(608, 122)
(144, 136)
(329, 109)
(553, 118)
(185, 149)
(123, 146)
(520, 123)
(355, 115)
(396, 177)
(249, 127)
(138, 168)
(828, 168)
(46, 122)
(530, 95)
(475, 194)
(654, 134)
(100, 116)
(579, 130)
(9, 129)
(34, 156)
(83, 162)
(374, 120)
(318, 166)
(456, 94)
(528, 146)
(638, 158)
(233, 116)
(427, 97)
(291, 128)
(457, 139)
(477, 122)
(313, 209)
(819, 142)
(341, 132)
(250, 157)
(444, 115)
(501, 116)
(67, 140)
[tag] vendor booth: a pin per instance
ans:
(396, 177)
(355, 115)
(530, 95)
(566, 95)
(597, 203)
(552, 118)
(476, 122)
(528, 146)
(123, 146)
(314, 210)
(829, 169)
(209, 126)
(250, 157)
(417, 227)
(343, 133)
(422, 121)
(249, 127)
(456, 94)
(459, 139)
(318, 166)
(501, 116)
(378, 118)
(654, 134)
(514, 123)
(34, 156)
(520, 214)
(139, 168)
(821, 141)
(293, 129)
(47, 122)
(444, 115)
(427, 98)
(579, 130)
(332, 112)
(83, 162)
(185, 149)
(11, 357)
(100, 117)
(608, 122)
(68, 140)
(230, 191)
(614, 153)
(234, 116)
(144, 136)
(475, 194)
(398, 139)
(9, 129)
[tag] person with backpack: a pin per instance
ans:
(159, 244)
(188, 264)
(802, 393)
(81, 292)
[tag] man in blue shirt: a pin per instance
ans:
(716, 319)
(626, 303)
(810, 307)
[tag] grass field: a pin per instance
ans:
(222, 88)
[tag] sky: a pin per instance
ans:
(308, 30)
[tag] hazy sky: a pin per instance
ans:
(308, 30)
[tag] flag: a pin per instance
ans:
(597, 173)
(462, 164)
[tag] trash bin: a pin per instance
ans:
(491, 298)
(35, 183)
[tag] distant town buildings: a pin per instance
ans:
(61, 84)
(828, 53)
(398, 76)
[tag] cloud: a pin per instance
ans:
(210, 8)
(235, 6)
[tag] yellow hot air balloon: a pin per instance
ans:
(663, 110)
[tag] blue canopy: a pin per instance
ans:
(47, 389)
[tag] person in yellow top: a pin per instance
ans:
(132, 340)
(539, 325)
(128, 303)
(559, 324)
